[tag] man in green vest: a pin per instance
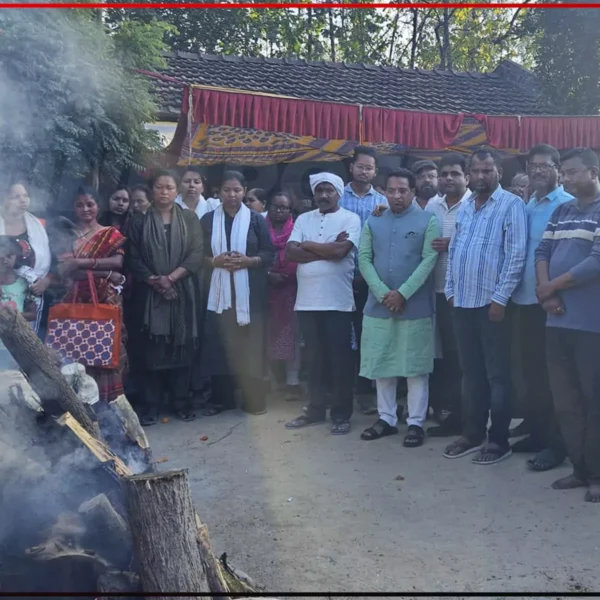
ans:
(396, 259)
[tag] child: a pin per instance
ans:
(14, 289)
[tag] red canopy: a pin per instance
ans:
(336, 121)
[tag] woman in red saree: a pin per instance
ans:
(283, 334)
(100, 250)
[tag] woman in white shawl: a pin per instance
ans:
(28, 231)
(237, 258)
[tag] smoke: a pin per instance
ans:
(46, 474)
(66, 104)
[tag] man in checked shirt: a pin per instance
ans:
(485, 262)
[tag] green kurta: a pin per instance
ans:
(395, 347)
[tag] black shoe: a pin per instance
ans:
(148, 419)
(450, 426)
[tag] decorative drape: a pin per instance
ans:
(410, 128)
(261, 129)
(325, 120)
(523, 133)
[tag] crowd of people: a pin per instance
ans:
(428, 277)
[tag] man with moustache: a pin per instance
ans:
(567, 265)
(543, 164)
(361, 198)
(426, 173)
(396, 259)
(446, 380)
(485, 263)
(323, 242)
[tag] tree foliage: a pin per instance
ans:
(68, 104)
(567, 57)
(425, 38)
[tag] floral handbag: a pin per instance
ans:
(89, 334)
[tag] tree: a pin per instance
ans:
(568, 58)
(68, 105)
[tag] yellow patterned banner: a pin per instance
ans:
(218, 144)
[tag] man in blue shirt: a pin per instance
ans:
(485, 264)
(568, 285)
(361, 198)
(543, 163)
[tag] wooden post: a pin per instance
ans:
(40, 368)
(163, 527)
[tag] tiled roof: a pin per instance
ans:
(509, 89)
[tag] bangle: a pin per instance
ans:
(170, 280)
(108, 277)
(95, 264)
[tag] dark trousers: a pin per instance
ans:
(446, 380)
(328, 345)
(484, 354)
(174, 381)
(539, 407)
(361, 293)
(574, 370)
(252, 389)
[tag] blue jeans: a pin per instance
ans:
(484, 355)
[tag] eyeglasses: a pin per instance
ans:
(280, 208)
(541, 167)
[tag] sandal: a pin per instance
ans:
(210, 410)
(378, 430)
(185, 415)
(415, 437)
(545, 461)
(340, 427)
(303, 421)
(148, 419)
(491, 454)
(461, 447)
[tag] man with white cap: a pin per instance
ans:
(323, 242)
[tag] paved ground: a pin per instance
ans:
(307, 511)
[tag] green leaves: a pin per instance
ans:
(69, 101)
(568, 57)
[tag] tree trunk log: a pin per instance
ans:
(165, 537)
(103, 523)
(41, 370)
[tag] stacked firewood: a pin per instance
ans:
(118, 523)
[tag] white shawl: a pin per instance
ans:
(38, 239)
(219, 296)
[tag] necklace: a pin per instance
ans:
(80, 234)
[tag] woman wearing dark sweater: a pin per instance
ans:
(237, 253)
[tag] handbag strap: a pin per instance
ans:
(92, 286)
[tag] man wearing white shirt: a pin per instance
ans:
(446, 380)
(323, 242)
(191, 190)
(426, 182)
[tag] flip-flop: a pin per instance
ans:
(461, 447)
(491, 454)
(545, 460)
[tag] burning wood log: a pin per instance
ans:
(41, 369)
(164, 531)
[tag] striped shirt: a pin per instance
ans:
(571, 244)
(447, 221)
(487, 252)
(363, 206)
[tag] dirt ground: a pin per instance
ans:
(307, 511)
